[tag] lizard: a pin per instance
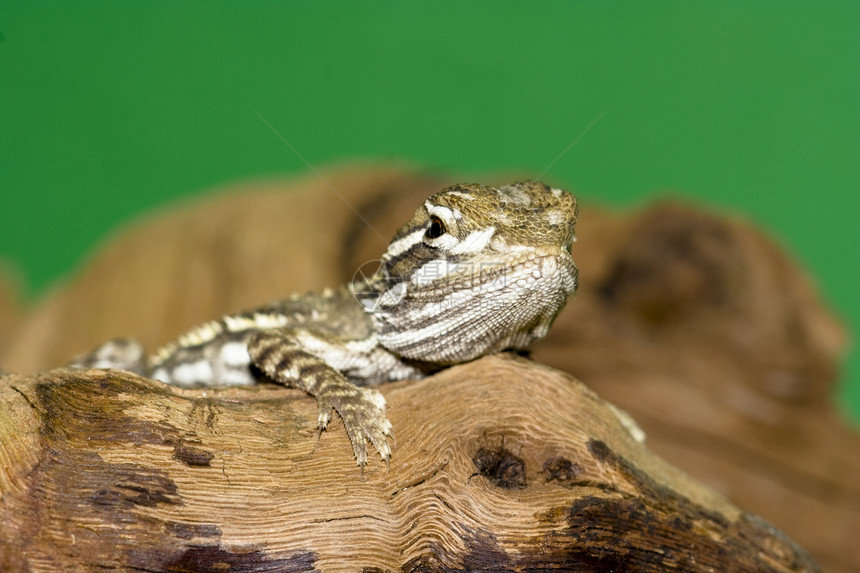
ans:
(475, 271)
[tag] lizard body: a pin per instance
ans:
(477, 270)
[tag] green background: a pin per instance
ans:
(108, 109)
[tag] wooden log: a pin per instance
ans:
(694, 322)
(500, 464)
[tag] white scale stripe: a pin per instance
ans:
(445, 213)
(475, 242)
(405, 243)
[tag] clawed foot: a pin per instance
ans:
(277, 354)
(363, 414)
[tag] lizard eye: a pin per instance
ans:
(436, 228)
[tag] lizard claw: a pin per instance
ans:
(324, 414)
(363, 414)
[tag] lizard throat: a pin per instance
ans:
(465, 315)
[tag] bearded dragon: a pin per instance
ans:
(475, 271)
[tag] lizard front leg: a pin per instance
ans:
(277, 354)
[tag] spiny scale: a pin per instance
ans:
(476, 270)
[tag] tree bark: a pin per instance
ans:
(500, 464)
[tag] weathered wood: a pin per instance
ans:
(501, 464)
(695, 323)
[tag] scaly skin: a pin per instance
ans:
(477, 270)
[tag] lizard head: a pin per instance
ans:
(476, 270)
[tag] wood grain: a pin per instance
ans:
(104, 470)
